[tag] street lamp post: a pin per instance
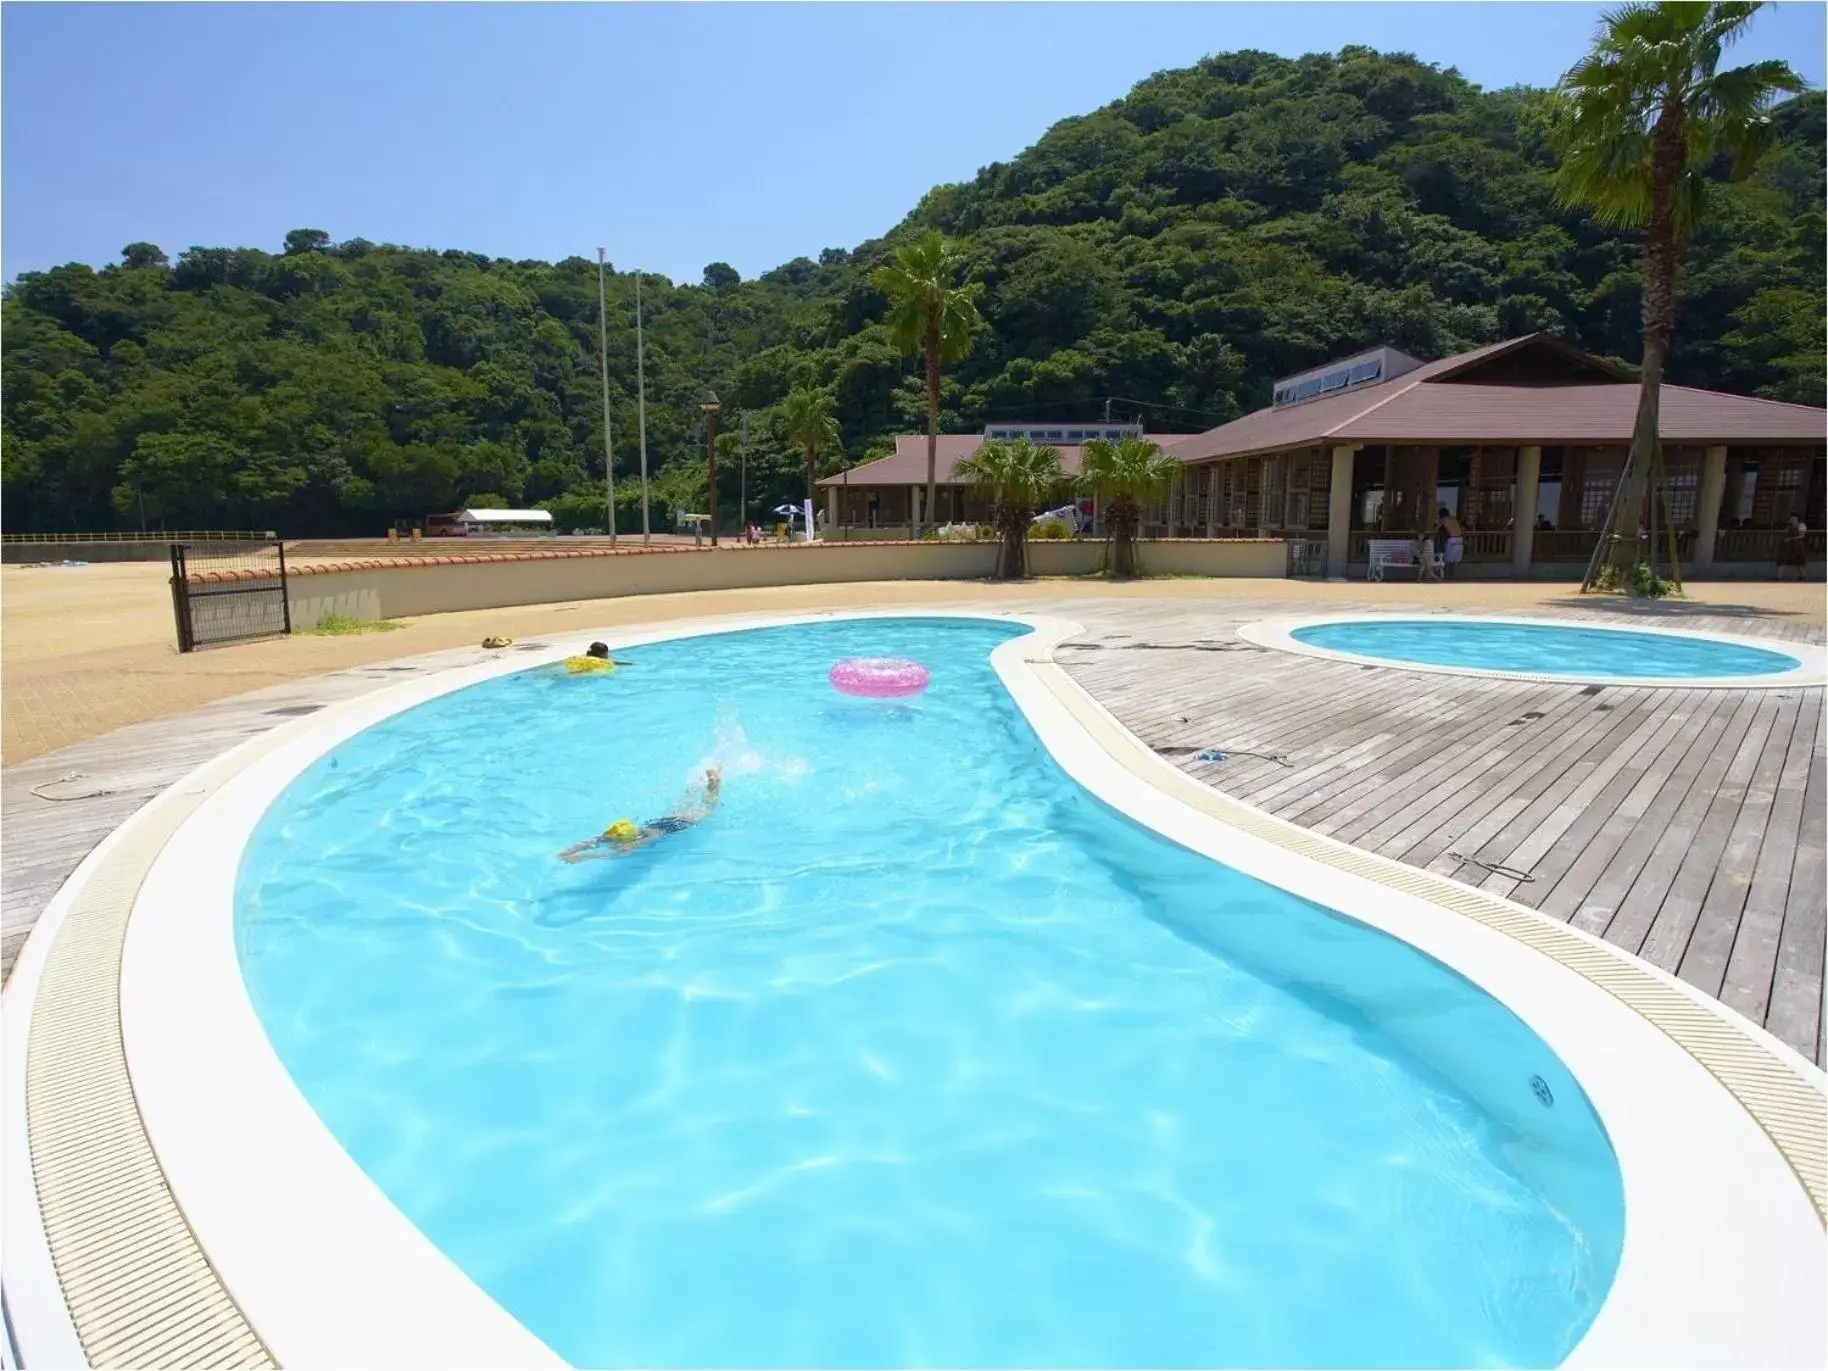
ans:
(609, 456)
(710, 406)
(742, 489)
(641, 408)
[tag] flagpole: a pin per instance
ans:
(609, 458)
(641, 406)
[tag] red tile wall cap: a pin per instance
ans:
(480, 558)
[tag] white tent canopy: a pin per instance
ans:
(504, 516)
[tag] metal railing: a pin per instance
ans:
(208, 610)
(232, 535)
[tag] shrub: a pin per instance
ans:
(1637, 579)
(335, 625)
(960, 533)
(1051, 529)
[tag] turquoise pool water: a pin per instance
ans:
(912, 1053)
(1551, 650)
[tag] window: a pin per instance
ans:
(1333, 380)
(1682, 498)
(1790, 479)
(1365, 371)
(1596, 497)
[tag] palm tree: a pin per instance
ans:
(931, 315)
(806, 422)
(1641, 117)
(1123, 476)
(1016, 478)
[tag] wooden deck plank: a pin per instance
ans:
(1474, 824)
(1797, 1010)
(1534, 830)
(1596, 833)
(1700, 836)
(1400, 830)
(1602, 908)
(1752, 963)
(1410, 772)
(1717, 922)
(1433, 737)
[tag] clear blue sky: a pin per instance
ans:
(674, 135)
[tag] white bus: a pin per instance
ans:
(465, 522)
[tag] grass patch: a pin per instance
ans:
(335, 625)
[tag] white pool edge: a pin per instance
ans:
(1278, 632)
(1724, 1261)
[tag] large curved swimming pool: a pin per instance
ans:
(909, 1053)
(1545, 649)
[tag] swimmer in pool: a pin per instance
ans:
(623, 836)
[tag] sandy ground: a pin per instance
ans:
(84, 650)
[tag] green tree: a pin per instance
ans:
(682, 484)
(930, 313)
(1217, 227)
(306, 240)
(806, 421)
(1016, 478)
(1643, 115)
(1124, 476)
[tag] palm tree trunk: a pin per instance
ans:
(1642, 466)
(932, 419)
(1123, 542)
(811, 494)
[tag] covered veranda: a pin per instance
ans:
(1523, 443)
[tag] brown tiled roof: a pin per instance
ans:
(907, 465)
(1427, 406)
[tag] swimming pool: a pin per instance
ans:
(1576, 652)
(911, 1052)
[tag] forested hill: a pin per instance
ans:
(1222, 225)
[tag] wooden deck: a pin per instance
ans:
(1684, 825)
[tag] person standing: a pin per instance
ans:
(1793, 552)
(1452, 539)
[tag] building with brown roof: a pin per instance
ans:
(879, 495)
(1522, 441)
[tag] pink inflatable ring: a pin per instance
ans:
(879, 678)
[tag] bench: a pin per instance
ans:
(1385, 552)
(1401, 552)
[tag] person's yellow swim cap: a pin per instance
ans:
(621, 830)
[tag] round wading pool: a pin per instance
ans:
(1576, 652)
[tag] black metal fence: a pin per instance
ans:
(227, 592)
